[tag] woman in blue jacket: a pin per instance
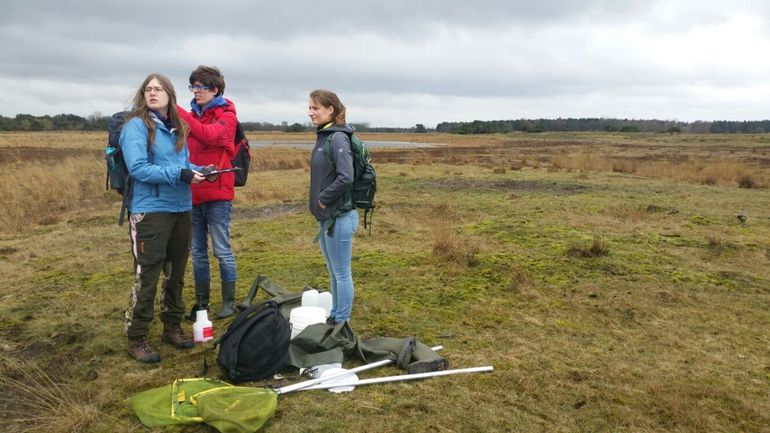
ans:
(156, 155)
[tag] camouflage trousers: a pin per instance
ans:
(160, 243)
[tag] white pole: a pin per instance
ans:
(308, 383)
(402, 377)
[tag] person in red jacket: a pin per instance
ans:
(212, 121)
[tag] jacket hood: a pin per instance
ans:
(219, 101)
(347, 128)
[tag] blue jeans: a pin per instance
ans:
(337, 251)
(212, 217)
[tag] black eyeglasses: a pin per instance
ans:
(197, 87)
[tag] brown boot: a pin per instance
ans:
(140, 350)
(173, 335)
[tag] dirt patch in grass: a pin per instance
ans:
(267, 212)
(508, 185)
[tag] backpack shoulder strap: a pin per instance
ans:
(328, 146)
(328, 149)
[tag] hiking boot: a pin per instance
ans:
(427, 366)
(139, 349)
(173, 335)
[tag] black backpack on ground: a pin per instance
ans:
(255, 345)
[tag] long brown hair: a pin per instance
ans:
(327, 98)
(143, 112)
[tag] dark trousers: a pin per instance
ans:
(160, 242)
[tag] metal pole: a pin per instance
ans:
(308, 383)
(402, 377)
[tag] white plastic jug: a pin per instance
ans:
(203, 329)
(325, 302)
(310, 298)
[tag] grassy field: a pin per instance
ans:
(608, 279)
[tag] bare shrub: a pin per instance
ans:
(624, 167)
(715, 242)
(520, 279)
(597, 248)
(747, 181)
(453, 248)
(447, 241)
(581, 161)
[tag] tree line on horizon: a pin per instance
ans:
(98, 122)
(604, 124)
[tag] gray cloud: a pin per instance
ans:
(398, 62)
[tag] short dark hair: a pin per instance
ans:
(209, 76)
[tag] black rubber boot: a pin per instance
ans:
(228, 300)
(202, 293)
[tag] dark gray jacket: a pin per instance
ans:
(329, 184)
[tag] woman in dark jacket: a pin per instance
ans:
(331, 177)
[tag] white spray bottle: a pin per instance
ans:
(203, 329)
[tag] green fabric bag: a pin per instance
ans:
(326, 344)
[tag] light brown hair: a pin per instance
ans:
(143, 112)
(327, 98)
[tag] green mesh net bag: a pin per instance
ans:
(236, 409)
(228, 408)
(171, 404)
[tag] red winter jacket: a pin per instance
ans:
(211, 141)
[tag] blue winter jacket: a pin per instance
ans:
(157, 185)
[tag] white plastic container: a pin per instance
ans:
(302, 317)
(203, 329)
(310, 298)
(325, 302)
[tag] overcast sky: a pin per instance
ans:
(398, 62)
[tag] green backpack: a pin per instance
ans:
(361, 194)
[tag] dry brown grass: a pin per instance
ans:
(596, 248)
(448, 242)
(50, 193)
(63, 171)
(54, 140)
(663, 334)
(37, 403)
(273, 186)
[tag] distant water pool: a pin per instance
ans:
(309, 144)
